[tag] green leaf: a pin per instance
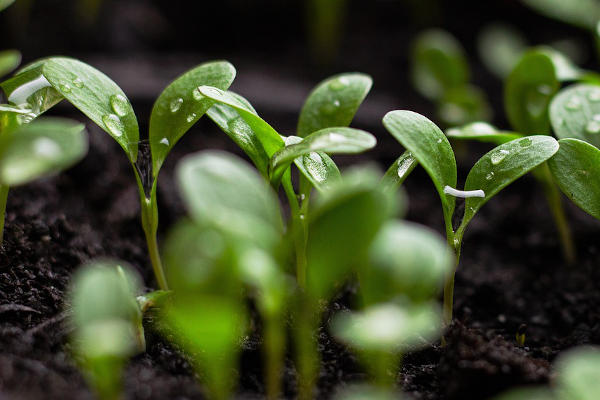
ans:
(500, 48)
(30, 90)
(463, 104)
(12, 117)
(9, 60)
(399, 171)
(98, 97)
(578, 371)
(528, 91)
(576, 169)
(406, 260)
(439, 64)
(430, 147)
(502, 166)
(320, 170)
(399, 327)
(224, 192)
(230, 122)
(333, 102)
(329, 140)
(482, 132)
(566, 70)
(5, 3)
(582, 13)
(270, 139)
(342, 225)
(575, 113)
(41, 148)
(181, 105)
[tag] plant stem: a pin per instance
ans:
(306, 348)
(274, 343)
(298, 232)
(3, 198)
(155, 260)
(455, 243)
(554, 199)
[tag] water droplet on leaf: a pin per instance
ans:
(197, 95)
(64, 86)
(119, 105)
(331, 107)
(113, 124)
(594, 96)
(164, 141)
(191, 117)
(592, 127)
(78, 83)
(498, 156)
(489, 176)
(525, 142)
(573, 104)
(338, 84)
(175, 105)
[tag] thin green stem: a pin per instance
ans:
(298, 233)
(274, 353)
(306, 349)
(3, 198)
(155, 260)
(554, 199)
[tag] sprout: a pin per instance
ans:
(107, 323)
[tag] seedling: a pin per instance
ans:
(440, 72)
(495, 170)
(107, 323)
(46, 82)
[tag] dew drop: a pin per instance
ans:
(78, 83)
(197, 95)
(439, 141)
(119, 105)
(594, 96)
(489, 176)
(64, 86)
(498, 156)
(176, 105)
(113, 124)
(592, 127)
(338, 84)
(596, 117)
(525, 142)
(573, 104)
(302, 216)
(331, 107)
(164, 141)
(191, 117)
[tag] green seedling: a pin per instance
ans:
(329, 108)
(498, 168)
(342, 225)
(107, 323)
(440, 72)
(46, 82)
(577, 378)
(500, 47)
(36, 150)
(383, 332)
(582, 13)
(236, 231)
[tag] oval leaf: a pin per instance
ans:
(482, 132)
(333, 102)
(528, 91)
(98, 97)
(41, 148)
(5, 3)
(224, 192)
(319, 169)
(576, 170)
(9, 60)
(230, 122)
(399, 171)
(430, 147)
(328, 140)
(575, 113)
(439, 63)
(502, 166)
(181, 105)
(500, 47)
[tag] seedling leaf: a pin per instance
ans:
(270, 139)
(181, 105)
(500, 48)
(430, 147)
(578, 374)
(9, 60)
(41, 148)
(575, 113)
(5, 3)
(582, 13)
(503, 165)
(528, 91)
(399, 171)
(482, 132)
(98, 97)
(329, 140)
(463, 104)
(223, 191)
(333, 102)
(576, 168)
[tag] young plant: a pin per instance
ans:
(498, 168)
(46, 82)
(9, 59)
(440, 72)
(106, 322)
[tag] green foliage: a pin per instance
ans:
(333, 103)
(399, 171)
(482, 132)
(41, 148)
(500, 48)
(5, 3)
(576, 168)
(582, 13)
(575, 113)
(528, 91)
(9, 60)
(107, 323)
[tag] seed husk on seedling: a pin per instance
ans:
(107, 323)
(498, 168)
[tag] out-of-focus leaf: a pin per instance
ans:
(9, 60)
(482, 132)
(463, 104)
(500, 48)
(582, 13)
